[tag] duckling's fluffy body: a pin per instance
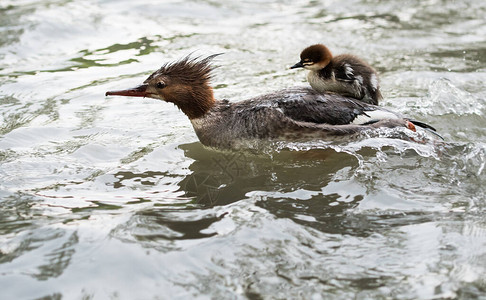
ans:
(344, 74)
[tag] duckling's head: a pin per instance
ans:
(314, 58)
(184, 83)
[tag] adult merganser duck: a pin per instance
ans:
(344, 74)
(290, 114)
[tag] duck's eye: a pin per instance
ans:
(160, 85)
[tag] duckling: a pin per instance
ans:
(344, 74)
(290, 114)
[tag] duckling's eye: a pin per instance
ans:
(307, 60)
(160, 85)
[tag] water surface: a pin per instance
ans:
(110, 197)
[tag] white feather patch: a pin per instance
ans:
(374, 81)
(348, 70)
(374, 115)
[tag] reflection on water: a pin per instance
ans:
(115, 198)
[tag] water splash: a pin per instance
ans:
(445, 98)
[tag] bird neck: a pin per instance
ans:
(195, 102)
(326, 71)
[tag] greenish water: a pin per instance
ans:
(115, 197)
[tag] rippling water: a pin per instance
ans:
(115, 197)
